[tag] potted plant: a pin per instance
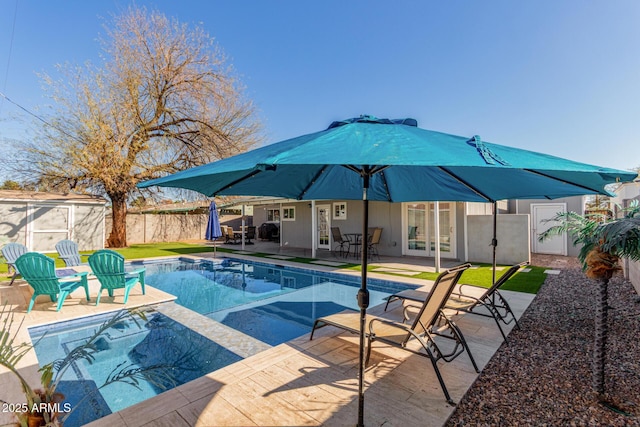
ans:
(44, 406)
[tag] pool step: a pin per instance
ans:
(235, 341)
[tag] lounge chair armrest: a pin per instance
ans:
(407, 309)
(461, 295)
(469, 285)
(135, 272)
(389, 323)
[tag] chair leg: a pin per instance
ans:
(141, 280)
(390, 299)
(61, 298)
(98, 297)
(33, 300)
(126, 293)
(315, 326)
(15, 274)
(86, 291)
(441, 381)
(504, 336)
(460, 338)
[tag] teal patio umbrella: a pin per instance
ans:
(368, 158)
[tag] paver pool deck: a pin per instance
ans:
(300, 382)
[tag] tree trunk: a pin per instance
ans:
(601, 332)
(118, 236)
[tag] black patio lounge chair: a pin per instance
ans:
(430, 322)
(496, 305)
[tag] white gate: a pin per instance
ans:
(556, 245)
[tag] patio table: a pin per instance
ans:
(355, 242)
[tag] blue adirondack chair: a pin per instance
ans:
(68, 252)
(11, 252)
(40, 273)
(108, 267)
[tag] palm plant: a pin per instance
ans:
(603, 242)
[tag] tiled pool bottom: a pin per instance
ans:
(169, 351)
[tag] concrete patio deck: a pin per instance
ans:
(300, 382)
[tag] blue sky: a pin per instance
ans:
(559, 77)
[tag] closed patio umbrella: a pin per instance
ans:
(213, 226)
(367, 158)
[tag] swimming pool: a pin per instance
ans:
(258, 301)
(158, 345)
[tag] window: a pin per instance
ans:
(289, 214)
(340, 210)
(273, 215)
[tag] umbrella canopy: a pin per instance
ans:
(391, 160)
(213, 225)
(405, 163)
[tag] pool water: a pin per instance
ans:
(271, 304)
(166, 351)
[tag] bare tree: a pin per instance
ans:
(163, 100)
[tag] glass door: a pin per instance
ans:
(446, 226)
(323, 236)
(416, 220)
(420, 229)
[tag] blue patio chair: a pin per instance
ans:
(40, 273)
(68, 252)
(108, 267)
(11, 252)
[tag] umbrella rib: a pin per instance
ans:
(386, 187)
(563, 181)
(465, 183)
(310, 183)
(231, 184)
(372, 171)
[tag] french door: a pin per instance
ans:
(420, 236)
(324, 226)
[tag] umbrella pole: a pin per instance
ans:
(494, 241)
(363, 295)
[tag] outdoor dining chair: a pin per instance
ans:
(341, 242)
(11, 252)
(250, 234)
(374, 240)
(40, 273)
(229, 235)
(108, 267)
(462, 301)
(429, 323)
(68, 252)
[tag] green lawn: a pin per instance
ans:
(528, 282)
